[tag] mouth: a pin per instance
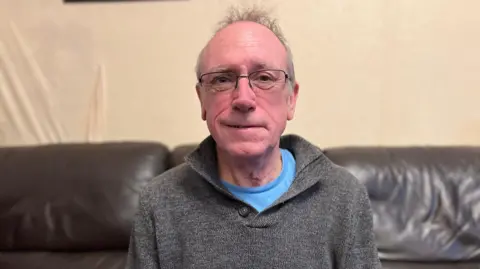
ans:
(243, 126)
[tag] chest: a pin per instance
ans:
(291, 235)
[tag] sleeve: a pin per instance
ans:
(142, 251)
(360, 250)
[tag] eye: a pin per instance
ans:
(221, 79)
(263, 76)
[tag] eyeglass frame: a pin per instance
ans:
(247, 76)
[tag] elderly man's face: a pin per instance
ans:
(246, 121)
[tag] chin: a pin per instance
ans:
(244, 148)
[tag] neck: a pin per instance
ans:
(250, 171)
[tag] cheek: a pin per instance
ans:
(214, 106)
(276, 106)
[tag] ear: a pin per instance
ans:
(202, 107)
(292, 101)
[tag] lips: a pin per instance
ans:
(236, 125)
(242, 126)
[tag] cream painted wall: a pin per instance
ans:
(376, 72)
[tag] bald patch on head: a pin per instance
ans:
(254, 14)
(244, 43)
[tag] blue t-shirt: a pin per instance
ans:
(263, 196)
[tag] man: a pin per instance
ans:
(249, 197)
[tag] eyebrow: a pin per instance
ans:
(221, 68)
(260, 65)
(233, 68)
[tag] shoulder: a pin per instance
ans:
(341, 177)
(345, 188)
(347, 199)
(172, 185)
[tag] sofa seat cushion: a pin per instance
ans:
(429, 265)
(63, 260)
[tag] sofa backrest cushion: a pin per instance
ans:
(79, 197)
(425, 200)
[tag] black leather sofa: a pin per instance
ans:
(71, 205)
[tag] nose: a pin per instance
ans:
(243, 97)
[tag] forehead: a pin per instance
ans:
(244, 46)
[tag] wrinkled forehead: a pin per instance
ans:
(244, 47)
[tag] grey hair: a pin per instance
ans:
(256, 15)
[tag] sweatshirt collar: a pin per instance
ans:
(308, 158)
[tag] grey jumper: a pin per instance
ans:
(188, 219)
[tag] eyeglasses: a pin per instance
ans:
(264, 79)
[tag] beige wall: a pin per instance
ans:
(371, 72)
